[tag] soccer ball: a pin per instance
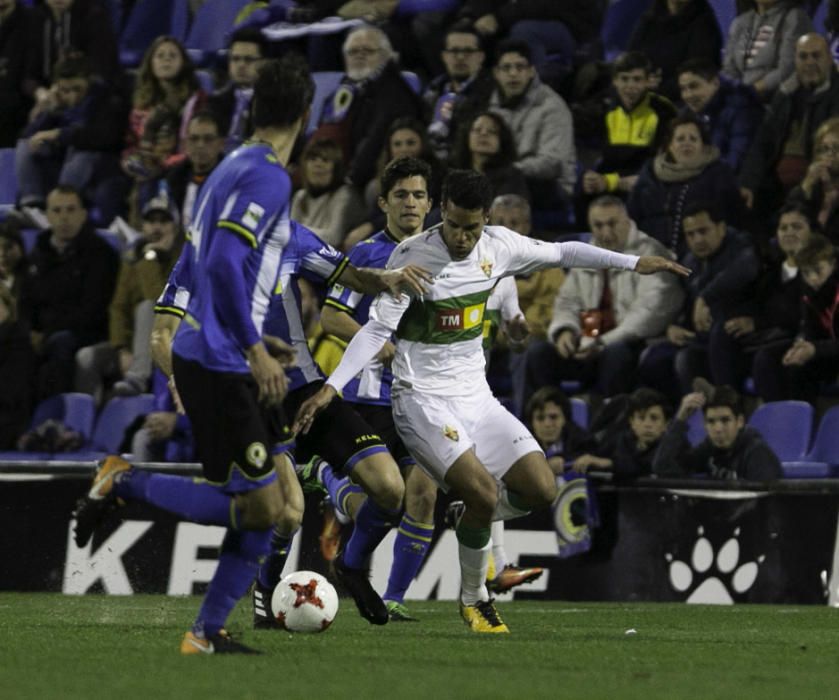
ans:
(304, 602)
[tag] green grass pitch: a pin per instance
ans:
(91, 647)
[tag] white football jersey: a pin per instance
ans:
(439, 335)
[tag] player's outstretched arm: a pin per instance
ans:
(368, 280)
(650, 264)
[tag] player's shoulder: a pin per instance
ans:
(427, 245)
(373, 251)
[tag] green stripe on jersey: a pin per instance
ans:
(492, 322)
(444, 321)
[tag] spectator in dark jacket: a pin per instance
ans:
(725, 268)
(687, 169)
(778, 157)
(548, 413)
(74, 139)
(462, 91)
(731, 450)
(231, 104)
(66, 295)
(629, 445)
(796, 371)
(750, 341)
(731, 112)
(61, 27)
(15, 372)
(673, 31)
(14, 35)
(371, 96)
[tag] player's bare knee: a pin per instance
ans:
(289, 519)
(390, 493)
(482, 499)
(545, 496)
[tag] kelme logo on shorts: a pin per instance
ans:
(451, 433)
(459, 319)
(256, 454)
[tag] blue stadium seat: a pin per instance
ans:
(75, 410)
(114, 419)
(822, 461)
(209, 28)
(819, 18)
(725, 11)
(147, 20)
(619, 23)
(579, 412)
(326, 82)
(786, 426)
(408, 8)
(8, 180)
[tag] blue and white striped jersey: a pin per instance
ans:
(309, 257)
(240, 226)
(372, 385)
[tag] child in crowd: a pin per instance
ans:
(629, 444)
(548, 413)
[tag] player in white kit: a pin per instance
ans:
(443, 408)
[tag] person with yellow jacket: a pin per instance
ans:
(633, 127)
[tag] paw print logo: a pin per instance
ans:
(713, 586)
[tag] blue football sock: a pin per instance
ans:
(412, 541)
(272, 568)
(372, 523)
(241, 554)
(338, 487)
(193, 500)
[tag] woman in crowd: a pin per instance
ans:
(819, 190)
(486, 144)
(780, 293)
(166, 79)
(325, 203)
(687, 169)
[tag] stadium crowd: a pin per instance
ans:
(715, 145)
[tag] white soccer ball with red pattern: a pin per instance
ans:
(304, 602)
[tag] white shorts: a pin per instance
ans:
(439, 429)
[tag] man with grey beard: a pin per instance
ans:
(370, 97)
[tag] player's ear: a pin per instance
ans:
(382, 202)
